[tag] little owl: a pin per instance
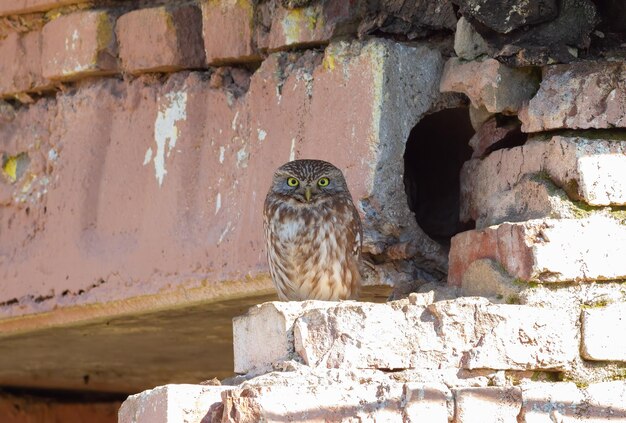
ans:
(313, 233)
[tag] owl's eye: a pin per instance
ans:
(293, 182)
(323, 182)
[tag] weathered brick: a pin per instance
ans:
(603, 331)
(506, 336)
(20, 63)
(563, 401)
(582, 95)
(546, 250)
(161, 39)
(79, 44)
(500, 404)
(372, 400)
(605, 402)
(426, 402)
(517, 184)
(545, 402)
(16, 7)
(173, 403)
(227, 28)
(489, 83)
(486, 278)
(315, 24)
(264, 335)
(468, 332)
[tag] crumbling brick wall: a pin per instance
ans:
(139, 138)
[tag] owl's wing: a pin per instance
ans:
(357, 229)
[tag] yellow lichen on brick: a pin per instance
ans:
(13, 166)
(104, 34)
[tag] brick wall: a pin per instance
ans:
(138, 140)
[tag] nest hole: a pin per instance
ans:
(436, 149)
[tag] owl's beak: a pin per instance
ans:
(307, 194)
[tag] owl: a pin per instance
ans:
(313, 233)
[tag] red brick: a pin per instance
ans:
(228, 31)
(161, 39)
(79, 44)
(16, 7)
(20, 64)
(546, 250)
(315, 24)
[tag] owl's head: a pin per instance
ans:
(309, 181)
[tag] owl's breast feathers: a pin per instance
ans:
(313, 251)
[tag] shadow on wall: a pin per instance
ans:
(436, 149)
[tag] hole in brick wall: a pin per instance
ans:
(435, 151)
(612, 14)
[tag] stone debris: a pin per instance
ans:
(591, 95)
(490, 84)
(543, 37)
(506, 16)
(468, 44)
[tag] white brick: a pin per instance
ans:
(513, 337)
(426, 402)
(470, 333)
(603, 333)
(264, 335)
(172, 403)
(500, 404)
(606, 401)
(544, 402)
(326, 400)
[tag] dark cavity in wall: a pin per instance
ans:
(612, 15)
(435, 151)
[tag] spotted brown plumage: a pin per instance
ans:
(313, 233)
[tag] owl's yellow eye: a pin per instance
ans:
(323, 182)
(293, 182)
